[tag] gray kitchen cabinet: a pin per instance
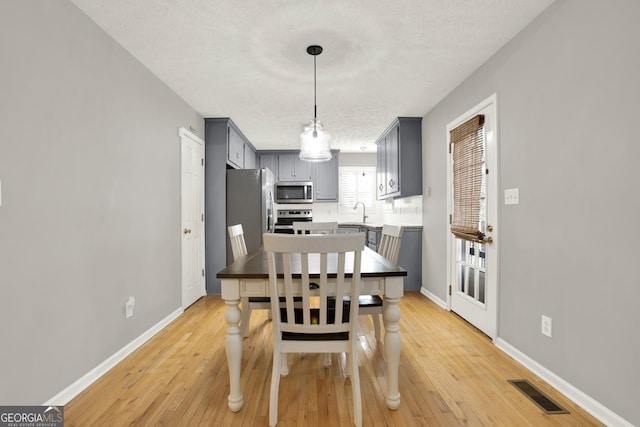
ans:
(343, 229)
(249, 157)
(291, 168)
(287, 166)
(399, 159)
(325, 178)
(410, 256)
(240, 153)
(235, 148)
(373, 238)
(268, 160)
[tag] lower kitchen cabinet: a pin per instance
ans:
(410, 257)
(373, 238)
(348, 229)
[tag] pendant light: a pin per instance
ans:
(314, 141)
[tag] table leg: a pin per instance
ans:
(391, 317)
(233, 346)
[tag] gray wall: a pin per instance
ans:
(568, 92)
(90, 171)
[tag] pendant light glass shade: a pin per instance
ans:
(315, 141)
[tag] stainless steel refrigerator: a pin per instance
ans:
(250, 203)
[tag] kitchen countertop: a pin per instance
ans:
(373, 225)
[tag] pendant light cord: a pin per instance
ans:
(315, 50)
(315, 106)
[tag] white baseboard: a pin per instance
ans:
(433, 298)
(87, 379)
(581, 399)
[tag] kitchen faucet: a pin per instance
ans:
(364, 217)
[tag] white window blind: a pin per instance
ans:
(357, 184)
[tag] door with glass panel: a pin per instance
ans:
(472, 190)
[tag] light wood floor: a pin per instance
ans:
(450, 375)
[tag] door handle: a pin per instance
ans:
(187, 231)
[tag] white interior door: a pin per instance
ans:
(472, 267)
(192, 230)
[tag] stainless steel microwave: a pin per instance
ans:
(294, 192)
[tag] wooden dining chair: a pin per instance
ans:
(305, 227)
(390, 249)
(238, 245)
(239, 250)
(316, 324)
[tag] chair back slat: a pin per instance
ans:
(390, 242)
(238, 245)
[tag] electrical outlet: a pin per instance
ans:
(128, 307)
(512, 196)
(546, 326)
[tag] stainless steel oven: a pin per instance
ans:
(294, 192)
(286, 218)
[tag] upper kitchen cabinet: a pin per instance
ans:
(399, 159)
(249, 157)
(235, 147)
(325, 179)
(268, 160)
(240, 152)
(287, 166)
(291, 168)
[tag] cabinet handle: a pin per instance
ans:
(392, 183)
(187, 231)
(380, 187)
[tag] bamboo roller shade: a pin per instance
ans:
(468, 169)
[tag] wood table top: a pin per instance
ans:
(254, 266)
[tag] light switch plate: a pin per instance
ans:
(512, 196)
(545, 327)
(129, 306)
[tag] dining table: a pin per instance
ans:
(249, 277)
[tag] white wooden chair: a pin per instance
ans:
(316, 324)
(302, 227)
(238, 245)
(239, 250)
(390, 249)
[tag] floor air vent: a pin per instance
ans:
(538, 397)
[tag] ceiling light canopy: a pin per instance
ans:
(315, 141)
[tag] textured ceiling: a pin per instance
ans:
(246, 59)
